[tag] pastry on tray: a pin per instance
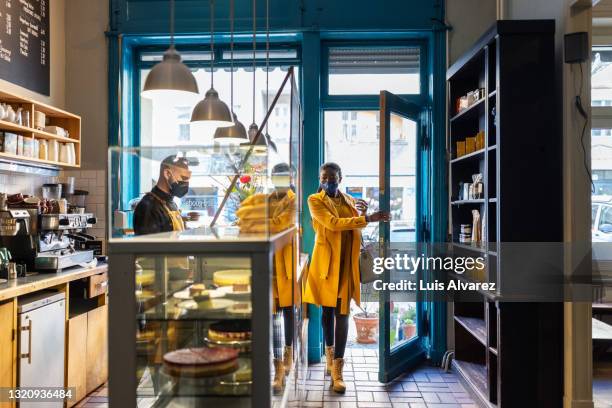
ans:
(201, 362)
(230, 330)
(196, 289)
(232, 277)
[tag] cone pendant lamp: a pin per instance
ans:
(236, 133)
(212, 111)
(170, 78)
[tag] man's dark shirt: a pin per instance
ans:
(150, 217)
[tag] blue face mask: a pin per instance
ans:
(331, 188)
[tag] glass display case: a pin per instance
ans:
(195, 318)
(204, 253)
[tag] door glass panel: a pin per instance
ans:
(403, 165)
(351, 141)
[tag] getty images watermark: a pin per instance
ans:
(405, 263)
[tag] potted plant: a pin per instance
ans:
(366, 321)
(409, 323)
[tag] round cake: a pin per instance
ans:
(201, 362)
(232, 277)
(230, 330)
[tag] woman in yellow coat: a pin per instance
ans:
(333, 278)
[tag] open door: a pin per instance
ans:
(403, 186)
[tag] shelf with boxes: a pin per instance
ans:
(39, 134)
(492, 153)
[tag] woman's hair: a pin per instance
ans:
(282, 169)
(329, 166)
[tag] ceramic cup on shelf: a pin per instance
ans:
(39, 120)
(64, 156)
(2, 111)
(53, 150)
(71, 153)
(43, 151)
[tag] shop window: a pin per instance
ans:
(166, 122)
(366, 70)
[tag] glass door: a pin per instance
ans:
(403, 187)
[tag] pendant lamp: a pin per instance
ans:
(212, 111)
(267, 137)
(259, 144)
(170, 77)
(236, 133)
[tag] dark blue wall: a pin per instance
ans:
(151, 16)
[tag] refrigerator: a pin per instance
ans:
(41, 323)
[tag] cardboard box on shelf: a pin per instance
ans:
(460, 148)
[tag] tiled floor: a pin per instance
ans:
(427, 387)
(97, 399)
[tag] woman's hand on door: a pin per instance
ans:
(378, 216)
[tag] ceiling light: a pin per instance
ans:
(212, 110)
(170, 77)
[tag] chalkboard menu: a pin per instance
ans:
(24, 43)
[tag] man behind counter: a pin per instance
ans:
(157, 212)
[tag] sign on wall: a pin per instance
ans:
(25, 43)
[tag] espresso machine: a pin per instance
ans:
(50, 242)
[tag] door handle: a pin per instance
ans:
(28, 355)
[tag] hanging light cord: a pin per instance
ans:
(254, 51)
(232, 57)
(212, 43)
(267, 57)
(171, 23)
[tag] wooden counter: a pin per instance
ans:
(86, 358)
(23, 286)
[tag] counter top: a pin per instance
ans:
(22, 286)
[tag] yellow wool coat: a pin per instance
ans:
(324, 271)
(258, 213)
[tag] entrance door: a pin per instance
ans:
(403, 193)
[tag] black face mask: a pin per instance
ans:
(178, 188)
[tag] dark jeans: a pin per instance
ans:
(287, 329)
(340, 333)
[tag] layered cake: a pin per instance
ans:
(232, 277)
(201, 362)
(230, 330)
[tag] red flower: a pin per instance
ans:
(245, 179)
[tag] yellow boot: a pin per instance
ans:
(279, 377)
(288, 358)
(329, 359)
(337, 383)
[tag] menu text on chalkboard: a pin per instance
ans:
(25, 43)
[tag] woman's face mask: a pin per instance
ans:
(330, 187)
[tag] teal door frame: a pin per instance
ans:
(394, 361)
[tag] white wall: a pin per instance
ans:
(86, 74)
(469, 19)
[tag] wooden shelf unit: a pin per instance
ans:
(508, 353)
(55, 117)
